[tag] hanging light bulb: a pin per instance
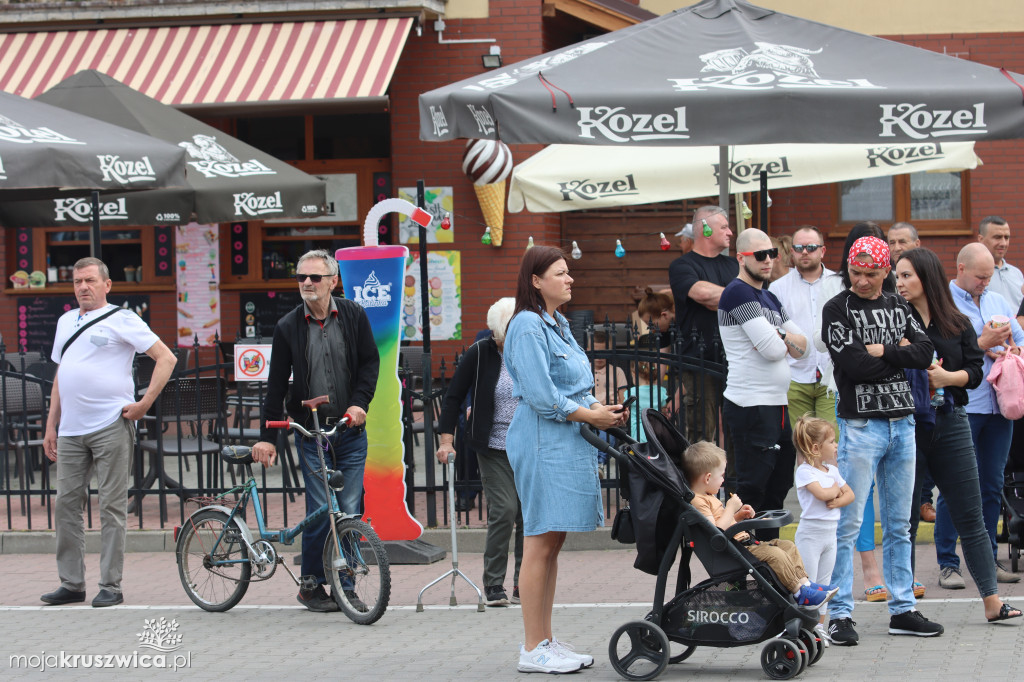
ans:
(619, 251)
(529, 243)
(769, 200)
(486, 238)
(446, 222)
(747, 213)
(576, 253)
(665, 245)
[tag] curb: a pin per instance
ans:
(471, 540)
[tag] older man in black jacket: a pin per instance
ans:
(327, 346)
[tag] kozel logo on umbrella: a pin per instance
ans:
(80, 209)
(745, 170)
(769, 66)
(216, 161)
(920, 122)
(10, 131)
(620, 125)
(115, 169)
(902, 155)
(252, 204)
(589, 190)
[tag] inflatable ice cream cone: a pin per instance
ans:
(488, 164)
(492, 203)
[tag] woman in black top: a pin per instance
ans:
(482, 373)
(945, 447)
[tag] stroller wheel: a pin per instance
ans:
(639, 650)
(781, 659)
(815, 648)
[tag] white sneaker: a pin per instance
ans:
(546, 659)
(567, 650)
(819, 630)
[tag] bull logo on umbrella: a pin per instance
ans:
(782, 59)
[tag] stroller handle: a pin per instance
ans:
(591, 435)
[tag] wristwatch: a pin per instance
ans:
(782, 332)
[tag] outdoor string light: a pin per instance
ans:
(576, 253)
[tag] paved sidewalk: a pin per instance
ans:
(268, 635)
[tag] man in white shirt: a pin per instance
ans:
(93, 400)
(800, 292)
(758, 335)
(1007, 280)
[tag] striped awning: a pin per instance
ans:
(192, 65)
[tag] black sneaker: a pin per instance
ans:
(316, 600)
(494, 595)
(357, 603)
(515, 595)
(841, 632)
(913, 623)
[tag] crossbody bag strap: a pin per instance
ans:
(83, 328)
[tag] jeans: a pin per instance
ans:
(885, 447)
(347, 454)
(947, 452)
(765, 456)
(991, 434)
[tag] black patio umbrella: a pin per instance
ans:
(47, 151)
(725, 72)
(226, 179)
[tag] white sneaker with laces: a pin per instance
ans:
(547, 659)
(567, 650)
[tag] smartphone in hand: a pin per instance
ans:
(628, 403)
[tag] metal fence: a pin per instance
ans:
(202, 408)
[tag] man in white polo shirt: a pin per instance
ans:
(93, 401)
(800, 292)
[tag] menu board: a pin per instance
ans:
(37, 318)
(260, 311)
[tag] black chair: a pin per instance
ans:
(21, 414)
(195, 410)
(47, 371)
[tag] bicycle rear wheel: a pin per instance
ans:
(360, 577)
(213, 587)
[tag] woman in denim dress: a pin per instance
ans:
(555, 469)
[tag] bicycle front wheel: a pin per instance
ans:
(359, 575)
(215, 574)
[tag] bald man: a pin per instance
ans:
(990, 430)
(758, 336)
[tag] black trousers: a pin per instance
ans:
(765, 457)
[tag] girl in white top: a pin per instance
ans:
(821, 491)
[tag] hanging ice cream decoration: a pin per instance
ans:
(488, 164)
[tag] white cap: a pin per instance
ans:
(687, 231)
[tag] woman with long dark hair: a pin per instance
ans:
(556, 471)
(945, 448)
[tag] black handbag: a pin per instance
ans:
(622, 527)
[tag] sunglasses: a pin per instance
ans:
(315, 279)
(809, 248)
(772, 253)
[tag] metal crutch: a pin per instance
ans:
(454, 572)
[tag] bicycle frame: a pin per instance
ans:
(285, 536)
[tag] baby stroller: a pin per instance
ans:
(741, 603)
(1013, 516)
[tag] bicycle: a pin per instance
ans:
(218, 556)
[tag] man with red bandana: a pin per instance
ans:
(871, 337)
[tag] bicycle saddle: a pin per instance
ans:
(237, 454)
(313, 403)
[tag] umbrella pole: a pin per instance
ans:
(95, 248)
(763, 217)
(723, 177)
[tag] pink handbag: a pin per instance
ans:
(1007, 378)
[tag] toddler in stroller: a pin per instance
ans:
(742, 602)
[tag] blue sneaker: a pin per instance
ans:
(815, 595)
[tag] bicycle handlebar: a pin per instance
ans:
(298, 427)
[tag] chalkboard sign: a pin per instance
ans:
(37, 318)
(261, 310)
